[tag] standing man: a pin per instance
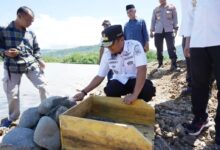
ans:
(105, 24)
(186, 6)
(204, 43)
(135, 28)
(164, 25)
(21, 54)
(128, 62)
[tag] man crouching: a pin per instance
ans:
(127, 60)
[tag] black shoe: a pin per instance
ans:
(174, 68)
(196, 127)
(6, 123)
(160, 66)
(186, 91)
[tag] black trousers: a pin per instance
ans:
(188, 68)
(114, 88)
(204, 61)
(158, 40)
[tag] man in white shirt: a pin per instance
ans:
(186, 5)
(204, 43)
(127, 60)
(187, 17)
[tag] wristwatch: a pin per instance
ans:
(84, 92)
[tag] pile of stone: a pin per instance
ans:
(38, 127)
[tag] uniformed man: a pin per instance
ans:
(203, 41)
(135, 28)
(164, 25)
(21, 54)
(128, 62)
(105, 24)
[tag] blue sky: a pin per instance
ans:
(70, 23)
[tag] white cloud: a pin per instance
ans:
(67, 33)
(72, 32)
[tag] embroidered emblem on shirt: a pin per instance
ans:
(128, 57)
(137, 50)
(130, 63)
(126, 53)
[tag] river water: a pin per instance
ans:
(63, 80)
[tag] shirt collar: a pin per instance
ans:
(12, 25)
(164, 6)
(133, 19)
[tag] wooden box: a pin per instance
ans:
(130, 126)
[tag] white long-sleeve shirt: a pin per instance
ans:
(204, 25)
(187, 17)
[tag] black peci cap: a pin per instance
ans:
(106, 22)
(129, 7)
(110, 34)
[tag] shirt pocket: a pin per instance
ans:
(169, 14)
(158, 16)
(114, 66)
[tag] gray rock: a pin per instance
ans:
(46, 105)
(50, 105)
(59, 111)
(19, 138)
(47, 134)
(29, 118)
(161, 144)
(11, 147)
(180, 130)
(189, 140)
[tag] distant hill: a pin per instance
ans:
(93, 48)
(65, 52)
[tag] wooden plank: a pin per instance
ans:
(80, 110)
(139, 112)
(79, 133)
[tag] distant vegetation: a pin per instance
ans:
(87, 58)
(81, 55)
(88, 55)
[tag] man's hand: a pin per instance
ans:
(146, 47)
(129, 99)
(42, 64)
(187, 52)
(12, 52)
(187, 47)
(175, 33)
(151, 34)
(79, 96)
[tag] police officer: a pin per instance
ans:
(105, 24)
(128, 62)
(164, 25)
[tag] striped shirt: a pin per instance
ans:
(24, 41)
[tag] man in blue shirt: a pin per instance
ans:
(135, 28)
